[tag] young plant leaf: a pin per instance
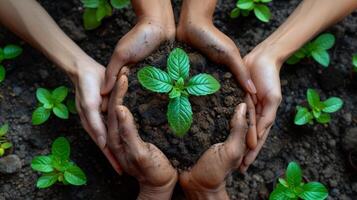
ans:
(321, 56)
(101, 11)
(155, 80)
(47, 180)
(6, 145)
(119, 4)
(11, 51)
(354, 62)
(303, 116)
(44, 96)
(279, 193)
(314, 191)
(2, 151)
(61, 148)
(1, 55)
(293, 175)
(71, 106)
(179, 115)
(332, 105)
(75, 176)
(61, 111)
(262, 12)
(42, 164)
(245, 4)
(174, 93)
(202, 84)
(178, 64)
(313, 98)
(40, 115)
(266, 1)
(90, 3)
(324, 41)
(59, 94)
(235, 13)
(324, 118)
(2, 73)
(4, 129)
(90, 19)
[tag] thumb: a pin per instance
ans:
(239, 126)
(111, 74)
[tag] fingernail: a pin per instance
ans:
(242, 109)
(251, 87)
(101, 142)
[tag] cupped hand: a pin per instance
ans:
(207, 177)
(155, 25)
(142, 160)
(265, 74)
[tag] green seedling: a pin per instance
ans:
(177, 84)
(50, 101)
(4, 143)
(57, 167)
(9, 52)
(320, 110)
(317, 49)
(292, 187)
(96, 10)
(354, 62)
(261, 11)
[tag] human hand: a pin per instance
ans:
(196, 28)
(155, 25)
(206, 180)
(144, 161)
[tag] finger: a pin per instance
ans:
(127, 129)
(239, 125)
(124, 71)
(242, 74)
(252, 137)
(104, 106)
(96, 123)
(119, 91)
(267, 117)
(111, 73)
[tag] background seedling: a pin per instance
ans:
(317, 49)
(4, 143)
(354, 62)
(292, 187)
(319, 109)
(261, 11)
(52, 101)
(57, 167)
(96, 10)
(9, 52)
(179, 87)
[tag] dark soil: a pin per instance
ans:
(319, 149)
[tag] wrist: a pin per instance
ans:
(220, 194)
(149, 192)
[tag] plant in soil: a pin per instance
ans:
(96, 10)
(9, 52)
(177, 84)
(317, 49)
(261, 11)
(293, 187)
(354, 62)
(57, 167)
(320, 110)
(4, 143)
(52, 101)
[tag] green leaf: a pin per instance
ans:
(324, 118)
(245, 12)
(90, 19)
(2, 73)
(283, 182)
(1, 55)
(332, 105)
(59, 94)
(174, 93)
(101, 12)
(262, 12)
(61, 111)
(293, 175)
(202, 84)
(4, 129)
(245, 4)
(155, 79)
(292, 60)
(108, 9)
(303, 116)
(266, 1)
(179, 115)
(40, 115)
(6, 145)
(71, 106)
(324, 41)
(354, 61)
(90, 3)
(42, 164)
(11, 51)
(2, 151)
(119, 4)
(314, 191)
(44, 96)
(313, 98)
(279, 193)
(61, 148)
(321, 56)
(178, 64)
(47, 180)
(316, 113)
(235, 13)
(75, 176)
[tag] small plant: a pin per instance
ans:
(96, 10)
(319, 110)
(9, 52)
(4, 143)
(293, 187)
(51, 101)
(354, 62)
(179, 87)
(261, 11)
(317, 49)
(57, 167)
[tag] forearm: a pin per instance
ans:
(33, 24)
(308, 19)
